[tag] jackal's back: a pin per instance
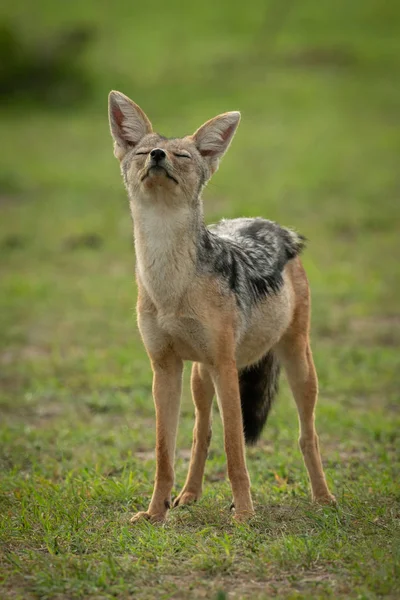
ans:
(250, 256)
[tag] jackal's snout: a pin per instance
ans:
(157, 155)
(158, 163)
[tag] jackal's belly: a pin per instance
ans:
(268, 322)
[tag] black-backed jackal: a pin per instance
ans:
(233, 298)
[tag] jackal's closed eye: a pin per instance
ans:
(179, 155)
(142, 152)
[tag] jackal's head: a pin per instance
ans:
(155, 167)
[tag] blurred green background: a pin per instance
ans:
(318, 85)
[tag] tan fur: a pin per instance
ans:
(203, 392)
(204, 328)
(167, 384)
(270, 320)
(186, 316)
(295, 353)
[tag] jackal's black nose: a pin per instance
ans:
(157, 154)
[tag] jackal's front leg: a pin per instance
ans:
(167, 384)
(227, 387)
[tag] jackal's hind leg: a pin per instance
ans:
(202, 392)
(295, 353)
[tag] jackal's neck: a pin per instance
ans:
(166, 244)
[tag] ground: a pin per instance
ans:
(317, 150)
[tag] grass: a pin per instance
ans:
(318, 150)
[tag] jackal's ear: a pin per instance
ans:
(214, 137)
(128, 123)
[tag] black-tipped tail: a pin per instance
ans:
(258, 388)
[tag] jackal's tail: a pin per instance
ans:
(258, 388)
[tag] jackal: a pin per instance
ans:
(233, 298)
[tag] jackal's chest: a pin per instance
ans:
(187, 335)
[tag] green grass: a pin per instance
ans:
(318, 149)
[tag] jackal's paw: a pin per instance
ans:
(186, 498)
(145, 516)
(325, 499)
(243, 515)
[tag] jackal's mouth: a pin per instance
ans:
(158, 168)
